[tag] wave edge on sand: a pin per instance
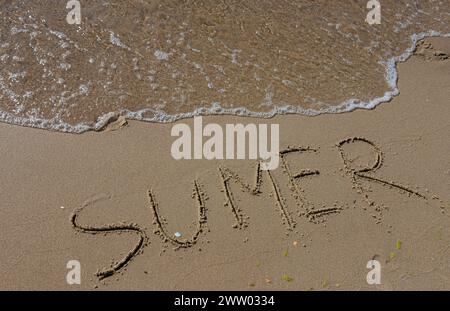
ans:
(349, 105)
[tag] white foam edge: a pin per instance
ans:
(160, 117)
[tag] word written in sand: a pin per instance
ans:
(236, 142)
(112, 228)
(307, 209)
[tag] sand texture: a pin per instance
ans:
(350, 187)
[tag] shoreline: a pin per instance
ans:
(313, 233)
(350, 105)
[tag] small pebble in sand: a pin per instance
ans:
(62, 207)
(295, 243)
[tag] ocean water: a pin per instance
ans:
(160, 61)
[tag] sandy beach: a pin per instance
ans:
(114, 199)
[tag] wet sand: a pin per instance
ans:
(162, 60)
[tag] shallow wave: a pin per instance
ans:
(162, 64)
(216, 109)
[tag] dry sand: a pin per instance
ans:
(102, 181)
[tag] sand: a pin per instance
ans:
(113, 201)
